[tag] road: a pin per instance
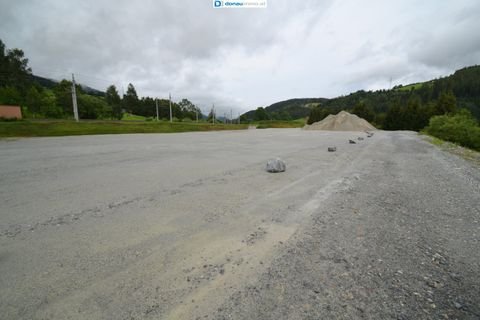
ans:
(190, 226)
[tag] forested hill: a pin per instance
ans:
(287, 110)
(463, 85)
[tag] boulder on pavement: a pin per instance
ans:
(276, 165)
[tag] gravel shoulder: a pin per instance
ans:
(399, 243)
(190, 226)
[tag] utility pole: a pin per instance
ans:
(231, 116)
(74, 99)
(239, 118)
(213, 113)
(196, 114)
(225, 117)
(156, 103)
(170, 103)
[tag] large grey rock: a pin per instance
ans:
(276, 165)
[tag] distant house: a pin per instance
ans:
(10, 112)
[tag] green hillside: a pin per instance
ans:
(381, 106)
(412, 86)
(288, 109)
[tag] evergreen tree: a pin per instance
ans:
(130, 99)
(63, 93)
(318, 114)
(114, 101)
(10, 96)
(363, 111)
(261, 114)
(446, 103)
(413, 116)
(394, 118)
(284, 115)
(14, 70)
(48, 105)
(33, 101)
(91, 107)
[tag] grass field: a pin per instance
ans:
(68, 128)
(299, 123)
(414, 86)
(132, 117)
(410, 87)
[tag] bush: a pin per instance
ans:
(460, 128)
(8, 119)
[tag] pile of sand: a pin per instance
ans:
(343, 121)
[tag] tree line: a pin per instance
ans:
(18, 86)
(410, 107)
(402, 107)
(411, 114)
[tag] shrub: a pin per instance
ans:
(460, 128)
(8, 119)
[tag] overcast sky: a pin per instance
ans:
(244, 58)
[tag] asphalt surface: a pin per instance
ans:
(191, 226)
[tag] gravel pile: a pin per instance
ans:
(343, 121)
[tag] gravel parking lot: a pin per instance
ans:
(191, 226)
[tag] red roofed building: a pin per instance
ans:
(10, 112)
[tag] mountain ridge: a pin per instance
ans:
(464, 83)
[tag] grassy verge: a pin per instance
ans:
(467, 154)
(280, 124)
(132, 117)
(68, 128)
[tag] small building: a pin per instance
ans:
(10, 112)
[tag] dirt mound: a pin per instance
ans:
(343, 121)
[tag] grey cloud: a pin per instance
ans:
(149, 43)
(185, 46)
(456, 47)
(445, 40)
